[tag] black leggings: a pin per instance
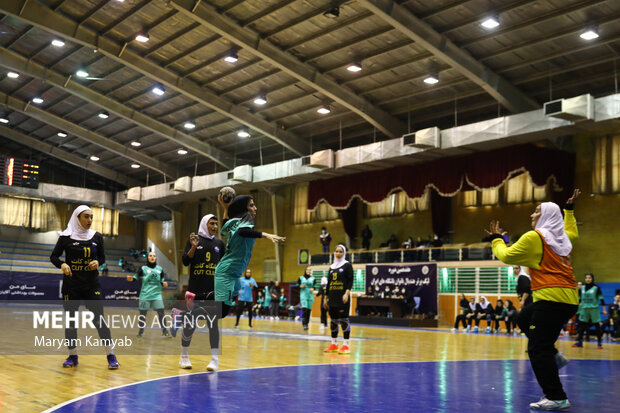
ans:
(92, 297)
(189, 323)
(585, 326)
(142, 319)
(240, 306)
(340, 316)
(305, 318)
(461, 318)
(274, 308)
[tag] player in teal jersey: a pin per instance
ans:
(267, 302)
(152, 276)
(246, 299)
(238, 228)
(590, 294)
(306, 295)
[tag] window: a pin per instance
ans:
(476, 198)
(301, 214)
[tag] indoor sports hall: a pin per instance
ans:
(309, 205)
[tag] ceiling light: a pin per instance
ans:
(324, 110)
(103, 115)
(354, 67)
(4, 120)
(243, 134)
(159, 90)
(37, 100)
(432, 79)
(13, 75)
(135, 165)
(590, 34)
(136, 143)
(231, 58)
(260, 100)
(62, 134)
(81, 73)
(94, 158)
(189, 125)
(143, 37)
(491, 22)
(332, 13)
(58, 43)
(182, 152)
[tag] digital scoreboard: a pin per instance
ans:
(17, 172)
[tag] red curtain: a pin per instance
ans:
(448, 175)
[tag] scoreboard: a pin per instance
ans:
(17, 172)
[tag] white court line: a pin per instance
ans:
(52, 409)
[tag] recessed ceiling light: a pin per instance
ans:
(4, 120)
(13, 75)
(324, 110)
(159, 90)
(243, 134)
(58, 43)
(37, 100)
(135, 165)
(142, 37)
(354, 67)
(432, 79)
(589, 34)
(189, 125)
(81, 73)
(231, 58)
(62, 134)
(94, 158)
(182, 152)
(260, 100)
(490, 23)
(136, 143)
(103, 115)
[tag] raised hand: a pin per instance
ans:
(494, 228)
(574, 197)
(193, 239)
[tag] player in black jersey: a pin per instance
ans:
(202, 253)
(338, 299)
(84, 253)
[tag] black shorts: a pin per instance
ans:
(338, 312)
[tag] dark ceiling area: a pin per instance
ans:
(139, 91)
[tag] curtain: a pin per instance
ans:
(448, 176)
(599, 169)
(615, 164)
(44, 217)
(14, 211)
(105, 220)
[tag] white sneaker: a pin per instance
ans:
(475, 329)
(322, 327)
(213, 364)
(454, 330)
(184, 363)
(488, 330)
(561, 360)
(271, 318)
(468, 329)
(546, 404)
(277, 318)
(296, 318)
(514, 333)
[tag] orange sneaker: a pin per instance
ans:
(344, 350)
(333, 348)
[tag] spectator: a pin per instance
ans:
(498, 314)
(408, 244)
(471, 315)
(510, 317)
(366, 237)
(326, 239)
(104, 269)
(462, 317)
(258, 307)
(436, 242)
(524, 285)
(275, 300)
(282, 298)
(484, 310)
(391, 243)
(267, 295)
(419, 243)
(613, 320)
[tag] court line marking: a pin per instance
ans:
(65, 403)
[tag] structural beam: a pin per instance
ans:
(41, 115)
(37, 14)
(439, 45)
(255, 44)
(21, 64)
(68, 157)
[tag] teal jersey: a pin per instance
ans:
(238, 250)
(246, 289)
(267, 297)
(304, 293)
(151, 282)
(282, 301)
(591, 297)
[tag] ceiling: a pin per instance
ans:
(293, 54)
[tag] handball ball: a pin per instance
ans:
(227, 194)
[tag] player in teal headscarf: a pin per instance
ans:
(239, 231)
(306, 295)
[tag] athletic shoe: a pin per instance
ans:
(599, 346)
(213, 364)
(306, 327)
(271, 318)
(333, 348)
(112, 362)
(277, 318)
(514, 333)
(488, 330)
(561, 360)
(475, 329)
(454, 330)
(165, 333)
(344, 350)
(578, 344)
(468, 329)
(140, 335)
(250, 326)
(71, 361)
(497, 331)
(296, 318)
(184, 362)
(236, 325)
(546, 404)
(322, 327)
(176, 321)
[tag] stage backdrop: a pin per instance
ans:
(419, 280)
